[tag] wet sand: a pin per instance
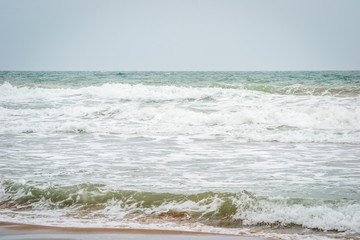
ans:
(24, 231)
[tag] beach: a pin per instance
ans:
(21, 231)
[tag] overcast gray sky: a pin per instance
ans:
(179, 35)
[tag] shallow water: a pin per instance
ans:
(204, 151)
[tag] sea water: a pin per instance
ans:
(264, 153)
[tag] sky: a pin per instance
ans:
(179, 35)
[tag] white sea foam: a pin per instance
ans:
(58, 220)
(162, 110)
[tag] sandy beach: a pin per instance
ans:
(24, 231)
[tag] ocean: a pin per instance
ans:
(273, 154)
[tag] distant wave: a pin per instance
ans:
(297, 89)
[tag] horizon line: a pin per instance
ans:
(319, 70)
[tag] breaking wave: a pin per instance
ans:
(141, 110)
(211, 208)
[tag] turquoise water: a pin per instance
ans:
(186, 79)
(271, 152)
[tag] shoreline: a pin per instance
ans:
(10, 230)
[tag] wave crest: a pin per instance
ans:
(212, 208)
(205, 113)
